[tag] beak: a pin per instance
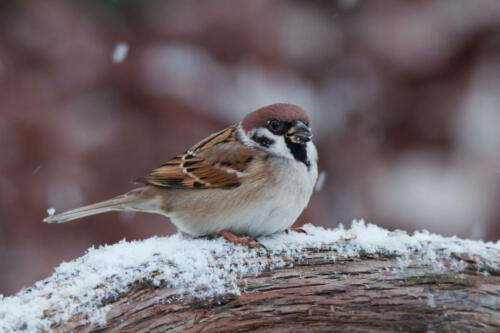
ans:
(299, 133)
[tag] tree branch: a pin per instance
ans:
(354, 284)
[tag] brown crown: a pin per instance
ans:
(278, 111)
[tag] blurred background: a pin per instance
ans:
(404, 99)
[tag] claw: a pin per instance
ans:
(248, 241)
(299, 230)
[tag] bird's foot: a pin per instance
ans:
(248, 241)
(299, 230)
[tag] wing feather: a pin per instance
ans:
(219, 161)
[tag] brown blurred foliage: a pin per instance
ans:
(404, 98)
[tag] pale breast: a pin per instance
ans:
(268, 204)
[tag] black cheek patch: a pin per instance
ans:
(262, 140)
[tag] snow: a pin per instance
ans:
(321, 181)
(430, 301)
(202, 267)
(51, 211)
(120, 52)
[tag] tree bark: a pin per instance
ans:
(368, 294)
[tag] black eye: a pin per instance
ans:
(275, 126)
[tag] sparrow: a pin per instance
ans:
(251, 179)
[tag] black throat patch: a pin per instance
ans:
(299, 151)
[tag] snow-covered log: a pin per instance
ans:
(356, 280)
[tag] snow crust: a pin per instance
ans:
(120, 52)
(51, 211)
(320, 182)
(202, 267)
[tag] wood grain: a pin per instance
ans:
(368, 294)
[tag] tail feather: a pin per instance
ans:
(121, 202)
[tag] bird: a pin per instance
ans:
(251, 179)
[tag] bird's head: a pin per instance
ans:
(280, 129)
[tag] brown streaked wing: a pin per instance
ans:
(227, 135)
(218, 161)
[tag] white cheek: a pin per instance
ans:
(279, 146)
(312, 153)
